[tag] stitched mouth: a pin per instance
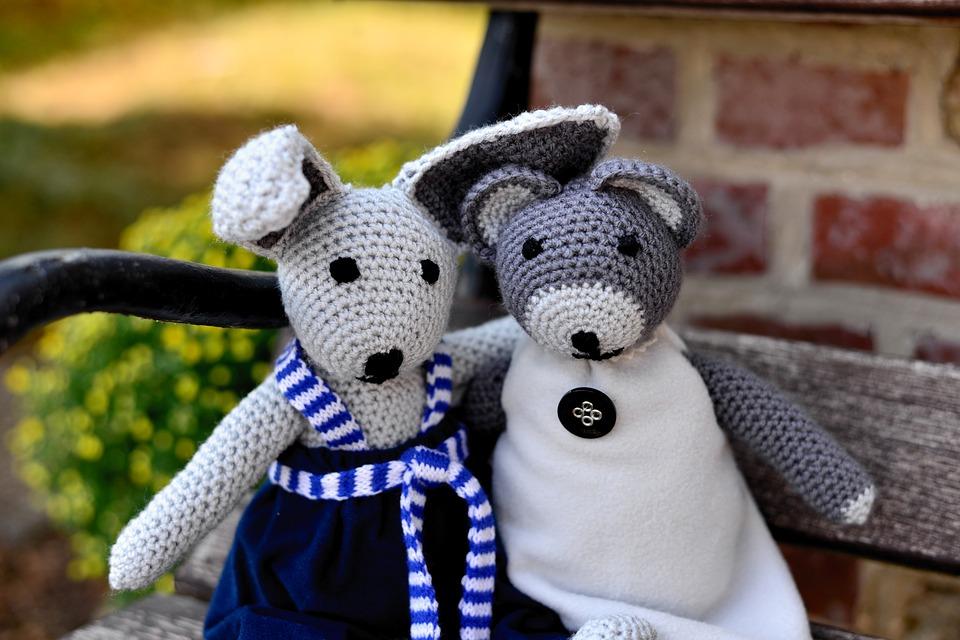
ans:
(596, 355)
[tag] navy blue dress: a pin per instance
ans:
(336, 570)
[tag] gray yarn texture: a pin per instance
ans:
(280, 198)
(809, 459)
(607, 261)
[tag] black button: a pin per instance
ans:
(587, 413)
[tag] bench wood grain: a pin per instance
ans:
(181, 618)
(156, 617)
(900, 418)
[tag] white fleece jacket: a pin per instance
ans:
(652, 519)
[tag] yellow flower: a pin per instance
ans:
(141, 325)
(35, 475)
(28, 432)
(17, 379)
(242, 260)
(165, 583)
(214, 347)
(186, 388)
(173, 335)
(141, 429)
(51, 344)
(82, 510)
(191, 352)
(88, 447)
(214, 257)
(70, 480)
(79, 419)
(96, 401)
(140, 468)
(185, 448)
(58, 507)
(241, 348)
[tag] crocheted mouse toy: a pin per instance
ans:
(617, 497)
(351, 430)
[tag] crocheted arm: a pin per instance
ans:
(809, 459)
(476, 349)
(224, 468)
(481, 357)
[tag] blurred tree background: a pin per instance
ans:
(109, 108)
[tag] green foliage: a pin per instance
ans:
(114, 406)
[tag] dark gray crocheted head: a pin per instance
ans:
(368, 275)
(592, 267)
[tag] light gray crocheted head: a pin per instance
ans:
(589, 268)
(368, 275)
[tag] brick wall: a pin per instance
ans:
(823, 154)
(824, 157)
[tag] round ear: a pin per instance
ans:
(668, 195)
(495, 198)
(560, 142)
(265, 185)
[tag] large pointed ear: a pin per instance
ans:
(491, 203)
(668, 195)
(560, 142)
(265, 185)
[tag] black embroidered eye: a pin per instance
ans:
(344, 270)
(429, 271)
(628, 245)
(531, 248)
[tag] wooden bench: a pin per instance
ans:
(900, 418)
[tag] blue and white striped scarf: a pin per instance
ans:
(418, 469)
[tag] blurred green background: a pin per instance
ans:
(114, 119)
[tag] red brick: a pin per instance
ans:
(637, 83)
(828, 583)
(889, 242)
(734, 238)
(834, 335)
(783, 104)
(934, 349)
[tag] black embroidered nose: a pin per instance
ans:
(585, 342)
(382, 366)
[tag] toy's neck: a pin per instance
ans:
(389, 413)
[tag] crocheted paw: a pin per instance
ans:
(135, 559)
(857, 509)
(618, 627)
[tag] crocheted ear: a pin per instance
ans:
(559, 142)
(265, 185)
(668, 195)
(495, 198)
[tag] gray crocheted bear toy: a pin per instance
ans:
(614, 486)
(367, 278)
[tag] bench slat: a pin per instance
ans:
(900, 418)
(179, 617)
(197, 576)
(823, 632)
(155, 617)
